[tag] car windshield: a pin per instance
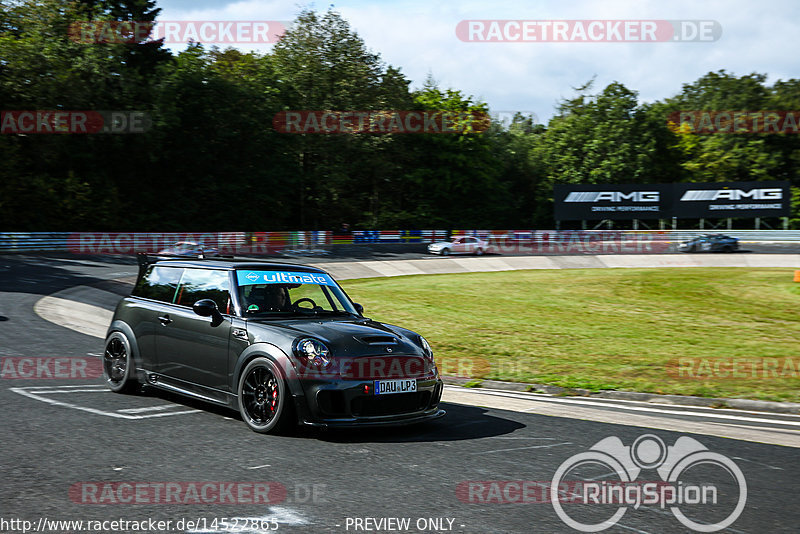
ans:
(282, 293)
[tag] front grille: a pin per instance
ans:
(390, 404)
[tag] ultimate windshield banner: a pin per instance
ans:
(612, 201)
(663, 201)
(249, 278)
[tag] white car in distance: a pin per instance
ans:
(460, 245)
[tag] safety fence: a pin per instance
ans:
(324, 242)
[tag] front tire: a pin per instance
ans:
(445, 252)
(119, 369)
(264, 402)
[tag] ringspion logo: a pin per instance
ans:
(612, 494)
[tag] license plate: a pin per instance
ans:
(388, 387)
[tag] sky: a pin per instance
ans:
(419, 37)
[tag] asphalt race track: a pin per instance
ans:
(68, 443)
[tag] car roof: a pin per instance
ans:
(238, 265)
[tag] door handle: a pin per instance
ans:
(165, 320)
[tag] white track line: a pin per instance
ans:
(630, 408)
(159, 408)
(33, 395)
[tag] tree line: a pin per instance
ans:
(212, 161)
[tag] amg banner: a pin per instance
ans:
(663, 201)
(732, 199)
(612, 201)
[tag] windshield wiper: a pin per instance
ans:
(338, 312)
(272, 315)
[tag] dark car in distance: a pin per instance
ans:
(710, 243)
(280, 343)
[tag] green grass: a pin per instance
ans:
(599, 329)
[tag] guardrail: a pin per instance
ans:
(33, 241)
(673, 236)
(322, 242)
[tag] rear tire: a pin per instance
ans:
(479, 251)
(119, 369)
(264, 401)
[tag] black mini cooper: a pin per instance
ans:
(280, 343)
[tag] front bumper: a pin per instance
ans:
(343, 403)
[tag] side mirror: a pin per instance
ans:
(359, 308)
(208, 308)
(205, 307)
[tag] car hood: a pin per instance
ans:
(345, 337)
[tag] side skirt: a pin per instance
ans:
(214, 396)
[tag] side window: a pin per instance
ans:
(198, 284)
(159, 283)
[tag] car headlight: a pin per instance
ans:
(314, 351)
(426, 347)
